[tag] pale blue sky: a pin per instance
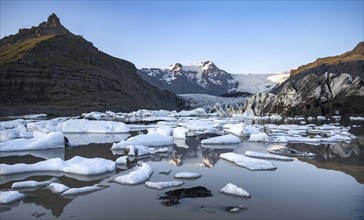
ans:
(239, 36)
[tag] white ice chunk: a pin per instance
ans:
(146, 140)
(258, 137)
(187, 175)
(186, 113)
(162, 130)
(10, 196)
(266, 156)
(47, 126)
(163, 185)
(356, 118)
(236, 129)
(247, 162)
(76, 165)
(11, 124)
(225, 139)
(57, 188)
(31, 184)
(81, 190)
(250, 129)
(18, 132)
(121, 160)
(140, 175)
(180, 132)
(232, 189)
(86, 126)
(47, 141)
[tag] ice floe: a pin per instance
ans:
(87, 126)
(140, 175)
(57, 188)
(140, 150)
(180, 132)
(234, 190)
(266, 156)
(247, 162)
(10, 196)
(277, 149)
(258, 137)
(154, 140)
(45, 141)
(13, 133)
(85, 139)
(164, 185)
(31, 184)
(82, 190)
(187, 175)
(225, 139)
(352, 118)
(161, 130)
(76, 165)
(121, 160)
(47, 126)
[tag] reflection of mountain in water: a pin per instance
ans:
(48, 200)
(211, 155)
(345, 157)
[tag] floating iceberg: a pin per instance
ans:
(121, 160)
(188, 113)
(47, 126)
(11, 124)
(76, 165)
(140, 175)
(225, 139)
(31, 184)
(180, 132)
(40, 142)
(145, 140)
(162, 130)
(10, 196)
(277, 149)
(232, 189)
(266, 156)
(85, 139)
(82, 190)
(13, 133)
(247, 162)
(140, 150)
(57, 188)
(86, 126)
(258, 137)
(163, 185)
(187, 175)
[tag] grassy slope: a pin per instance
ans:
(17, 50)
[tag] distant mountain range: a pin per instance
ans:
(47, 69)
(206, 78)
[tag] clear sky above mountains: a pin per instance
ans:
(239, 36)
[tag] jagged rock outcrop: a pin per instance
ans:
(314, 91)
(47, 69)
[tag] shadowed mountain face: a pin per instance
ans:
(47, 69)
(328, 86)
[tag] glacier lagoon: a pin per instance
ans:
(326, 184)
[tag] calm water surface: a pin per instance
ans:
(329, 186)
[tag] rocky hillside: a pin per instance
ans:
(328, 86)
(206, 78)
(47, 69)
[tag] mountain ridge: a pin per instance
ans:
(47, 69)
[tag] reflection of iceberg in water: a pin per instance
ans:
(45, 154)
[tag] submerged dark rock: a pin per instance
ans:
(172, 197)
